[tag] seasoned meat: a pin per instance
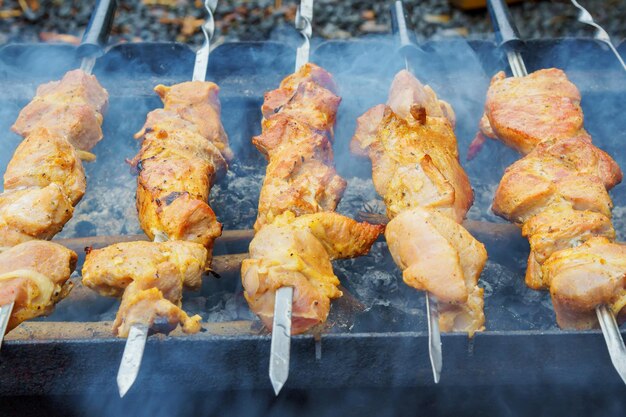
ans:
(297, 233)
(35, 276)
(72, 108)
(197, 102)
(296, 252)
(524, 111)
(45, 178)
(33, 213)
(300, 175)
(44, 158)
(297, 140)
(151, 277)
(438, 255)
(558, 194)
(416, 169)
(184, 149)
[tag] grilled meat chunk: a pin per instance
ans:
(297, 140)
(583, 277)
(438, 255)
(296, 251)
(151, 277)
(33, 213)
(416, 169)
(197, 102)
(300, 175)
(558, 193)
(184, 148)
(35, 276)
(71, 108)
(44, 158)
(524, 111)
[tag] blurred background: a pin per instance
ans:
(179, 20)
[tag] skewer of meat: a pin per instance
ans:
(289, 272)
(45, 179)
(416, 169)
(184, 147)
(558, 194)
(176, 165)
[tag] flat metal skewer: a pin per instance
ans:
(5, 315)
(401, 29)
(434, 337)
(608, 324)
(280, 348)
(132, 357)
(138, 334)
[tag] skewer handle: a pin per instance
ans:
(202, 55)
(506, 32)
(400, 29)
(304, 24)
(585, 17)
(400, 25)
(98, 29)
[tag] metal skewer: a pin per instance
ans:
(138, 334)
(501, 16)
(407, 42)
(5, 315)
(281, 327)
(91, 48)
(585, 17)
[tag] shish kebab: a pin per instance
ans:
(416, 169)
(184, 148)
(298, 234)
(45, 179)
(558, 194)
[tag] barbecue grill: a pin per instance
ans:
(376, 335)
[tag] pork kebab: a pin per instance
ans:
(184, 148)
(44, 181)
(558, 194)
(297, 232)
(416, 169)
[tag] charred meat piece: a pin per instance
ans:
(416, 169)
(35, 276)
(184, 149)
(558, 194)
(297, 233)
(151, 277)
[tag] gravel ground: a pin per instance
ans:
(168, 20)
